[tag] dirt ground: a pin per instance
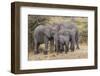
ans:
(82, 53)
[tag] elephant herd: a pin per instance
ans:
(61, 37)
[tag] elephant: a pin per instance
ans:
(44, 34)
(41, 35)
(72, 30)
(61, 39)
(74, 34)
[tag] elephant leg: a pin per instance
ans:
(77, 45)
(77, 40)
(61, 47)
(67, 47)
(51, 45)
(46, 46)
(56, 45)
(36, 51)
(72, 47)
(55, 48)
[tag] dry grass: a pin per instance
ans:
(77, 54)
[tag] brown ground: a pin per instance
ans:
(77, 54)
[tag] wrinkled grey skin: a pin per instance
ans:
(61, 39)
(74, 34)
(43, 34)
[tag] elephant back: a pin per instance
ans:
(64, 32)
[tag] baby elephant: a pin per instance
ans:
(62, 41)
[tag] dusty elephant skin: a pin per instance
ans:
(42, 34)
(67, 34)
(74, 34)
(60, 35)
(62, 40)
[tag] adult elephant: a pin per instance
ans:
(74, 34)
(44, 34)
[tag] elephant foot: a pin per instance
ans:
(61, 51)
(66, 52)
(77, 48)
(36, 52)
(72, 49)
(58, 53)
(45, 52)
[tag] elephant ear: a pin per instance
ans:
(47, 33)
(55, 29)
